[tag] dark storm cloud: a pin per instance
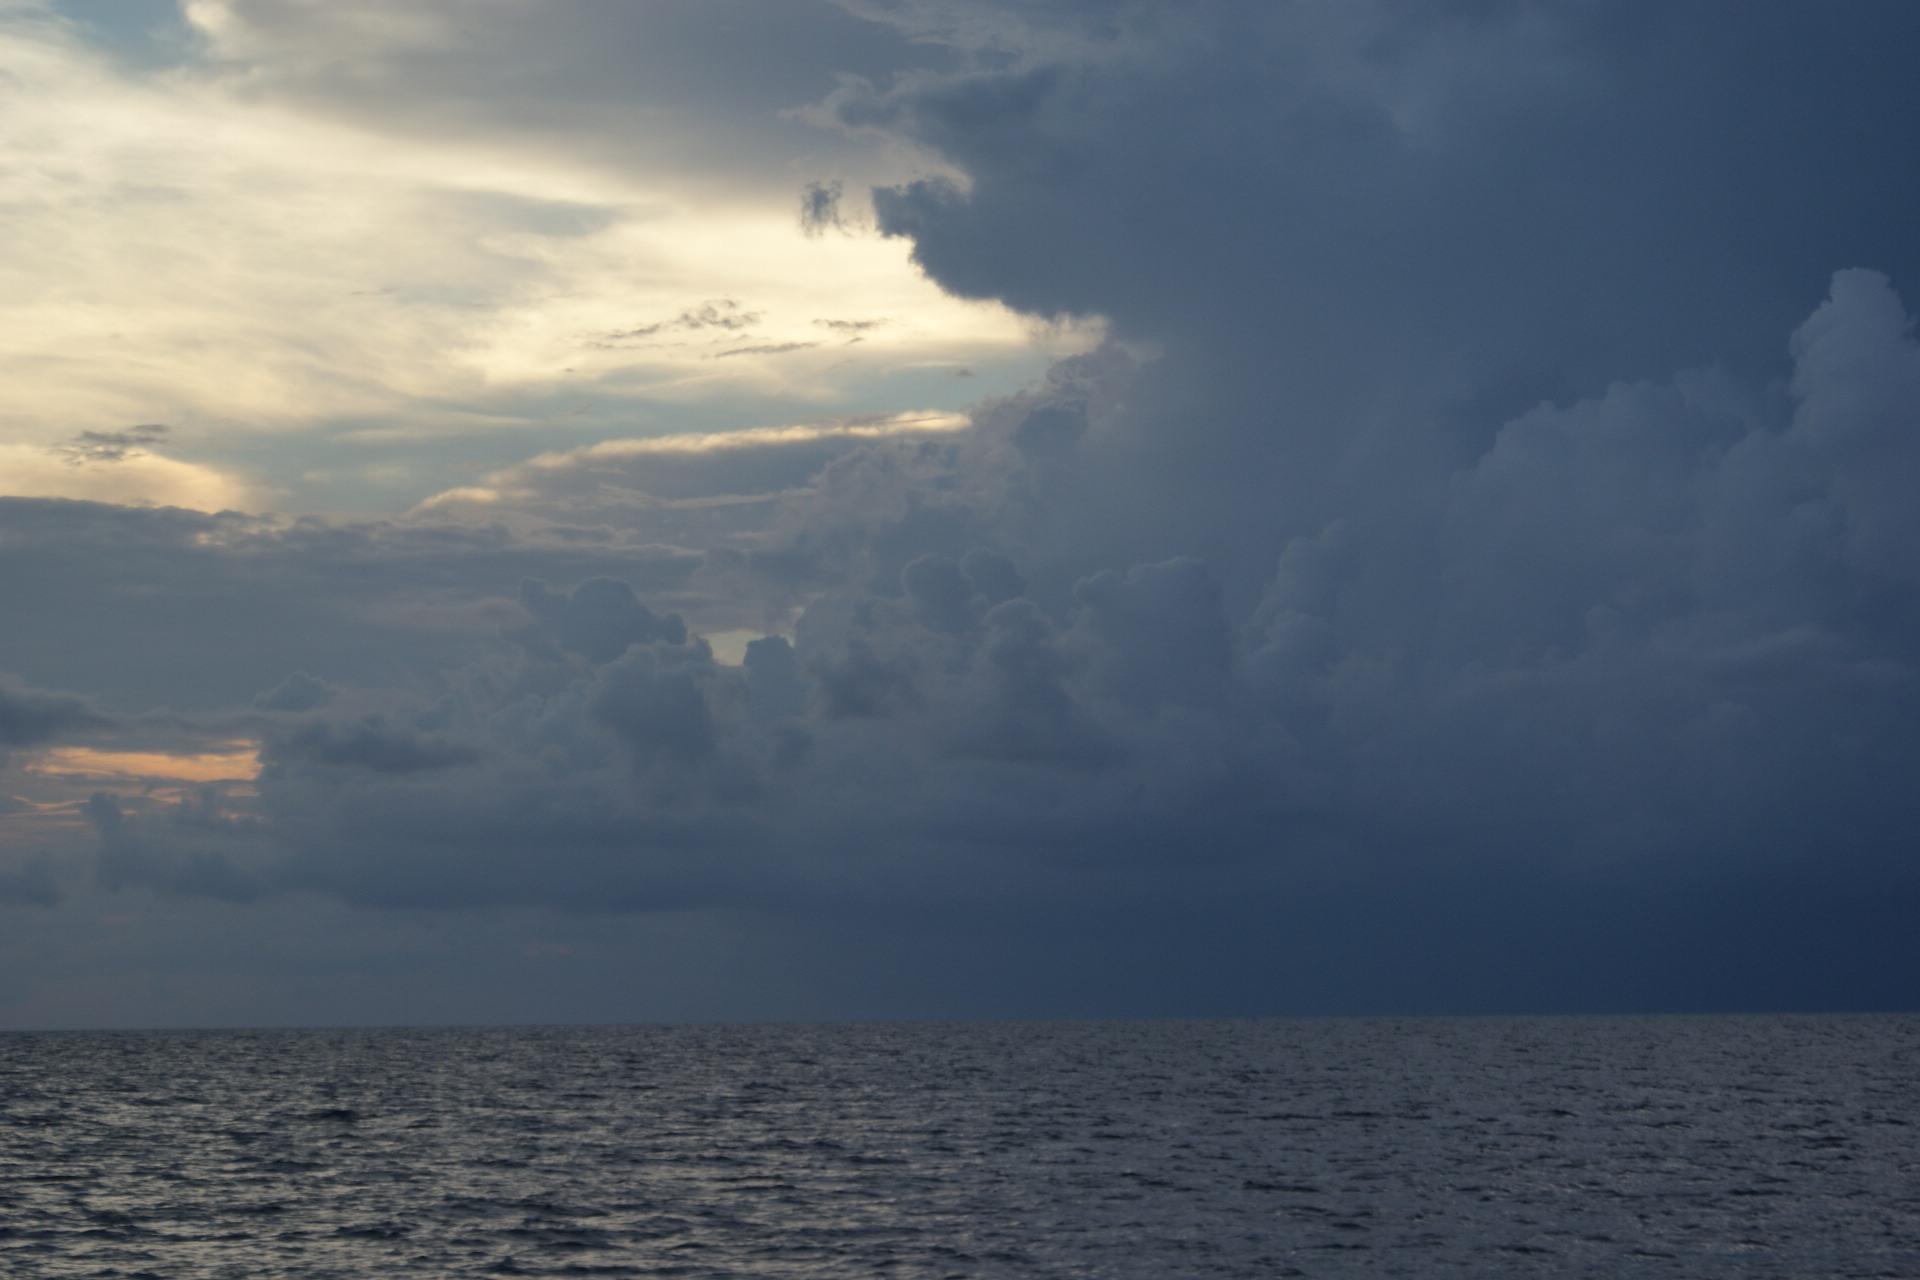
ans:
(1647, 643)
(1364, 236)
(370, 744)
(655, 709)
(599, 619)
(1481, 572)
(655, 777)
(298, 692)
(224, 606)
(1585, 680)
(188, 849)
(1523, 131)
(1617, 637)
(32, 887)
(30, 717)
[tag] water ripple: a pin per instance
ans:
(1651, 1147)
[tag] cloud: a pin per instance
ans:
(599, 619)
(1237, 185)
(369, 745)
(188, 848)
(33, 887)
(724, 314)
(30, 717)
(339, 273)
(658, 714)
(117, 467)
(1476, 571)
(225, 604)
(820, 208)
(767, 349)
(633, 481)
(226, 762)
(851, 330)
(568, 79)
(1646, 647)
(298, 692)
(92, 447)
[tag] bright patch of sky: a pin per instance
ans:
(332, 309)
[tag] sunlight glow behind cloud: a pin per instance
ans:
(30, 471)
(184, 248)
(240, 760)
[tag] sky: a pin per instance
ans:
(820, 509)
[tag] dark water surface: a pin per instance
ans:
(1661, 1146)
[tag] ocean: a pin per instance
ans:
(1670, 1146)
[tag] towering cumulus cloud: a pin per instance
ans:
(1478, 569)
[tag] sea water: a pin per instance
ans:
(1681, 1146)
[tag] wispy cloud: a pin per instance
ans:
(766, 349)
(110, 446)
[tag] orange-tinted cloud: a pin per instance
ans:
(241, 760)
